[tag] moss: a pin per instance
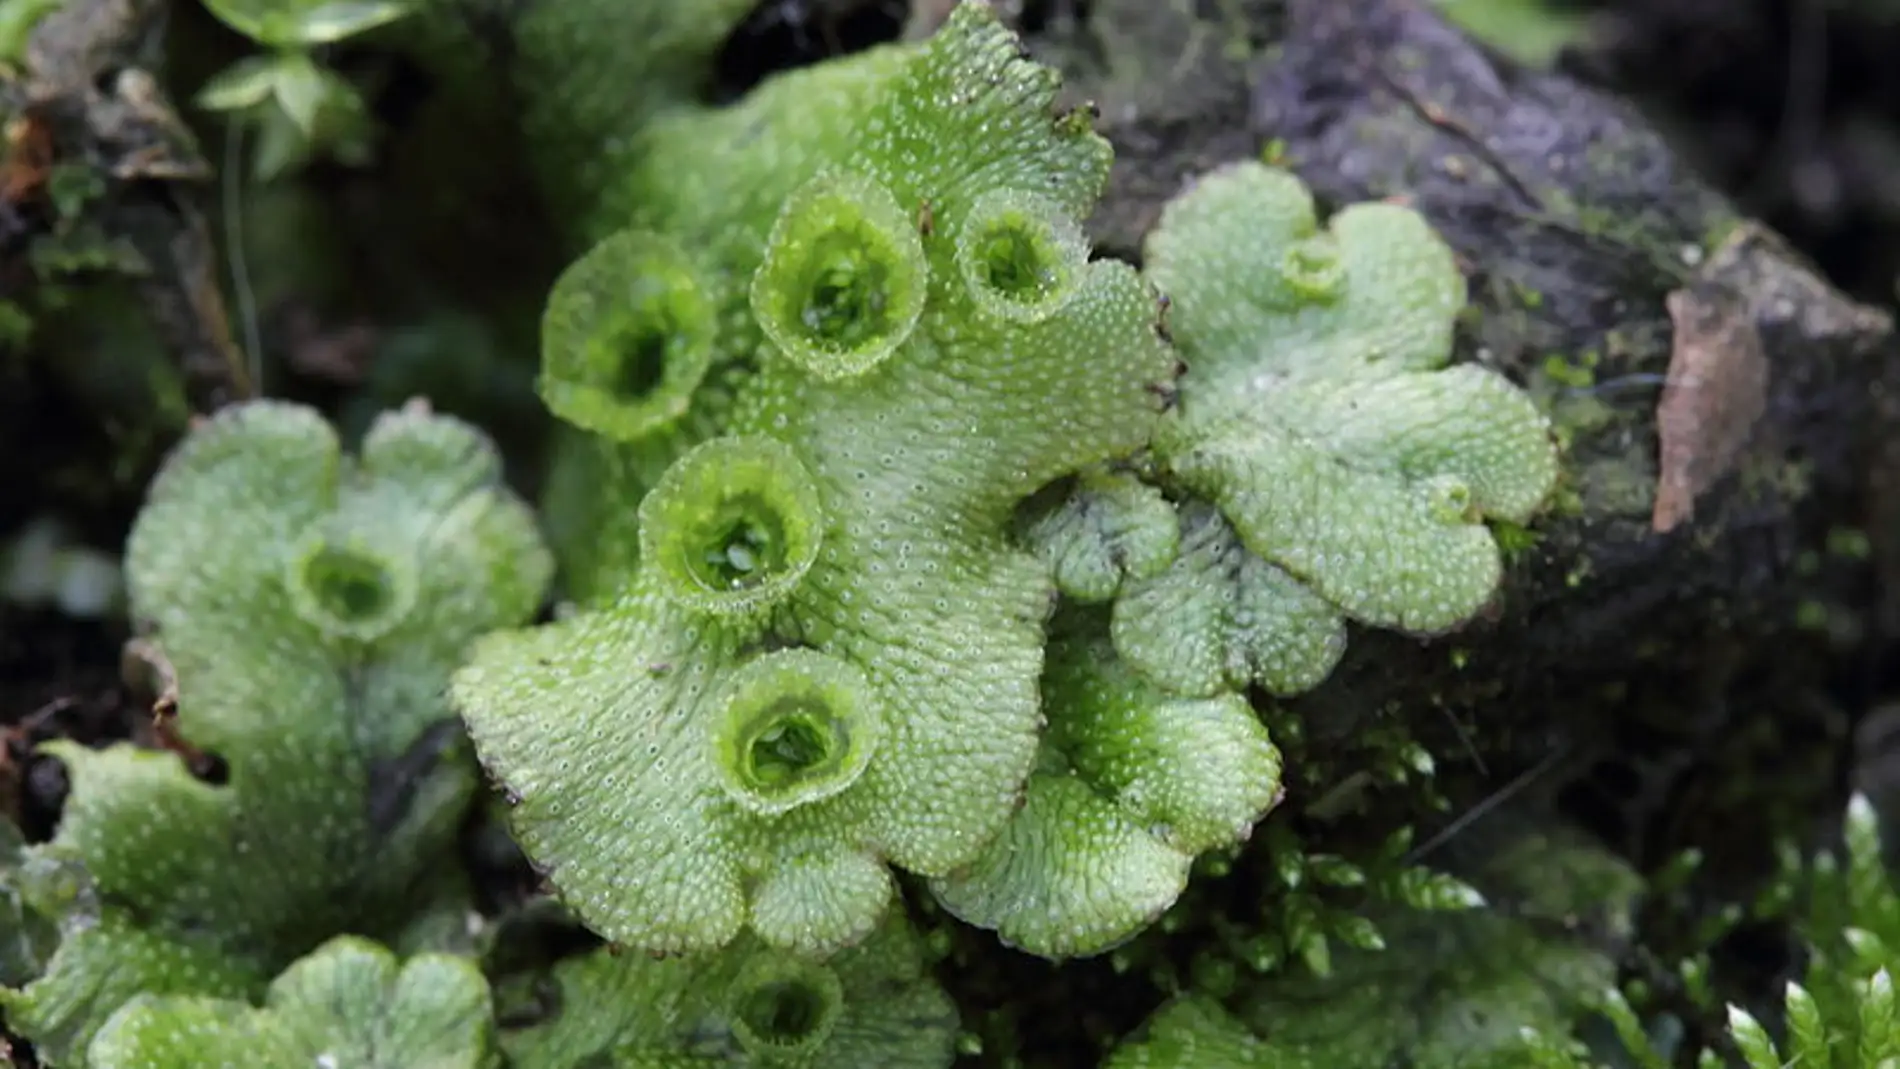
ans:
(1851, 543)
(1479, 985)
(1514, 539)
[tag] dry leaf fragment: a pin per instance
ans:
(1717, 389)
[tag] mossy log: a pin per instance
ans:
(1677, 650)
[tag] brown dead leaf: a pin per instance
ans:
(339, 353)
(28, 159)
(1717, 389)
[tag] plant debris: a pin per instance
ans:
(1717, 389)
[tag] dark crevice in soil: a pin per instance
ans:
(17, 1052)
(1040, 15)
(59, 678)
(782, 35)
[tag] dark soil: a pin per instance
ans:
(59, 678)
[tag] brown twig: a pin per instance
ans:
(140, 653)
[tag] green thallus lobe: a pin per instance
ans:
(872, 1005)
(853, 647)
(310, 606)
(674, 815)
(1319, 414)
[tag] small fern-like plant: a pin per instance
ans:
(1843, 1013)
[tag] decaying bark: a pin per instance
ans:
(85, 94)
(1674, 648)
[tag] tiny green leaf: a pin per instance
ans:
(1807, 1032)
(1357, 932)
(290, 24)
(1630, 1031)
(299, 87)
(245, 84)
(1335, 871)
(1879, 1039)
(1752, 1040)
